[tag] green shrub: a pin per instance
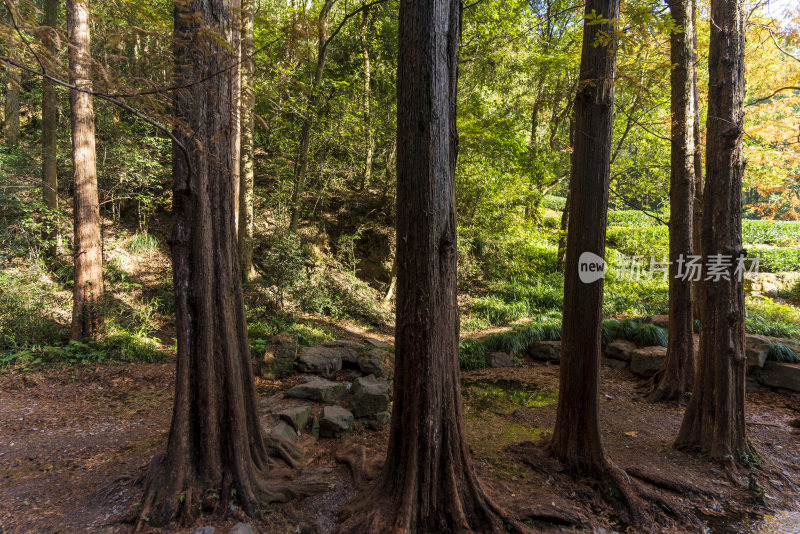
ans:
(28, 312)
(627, 328)
(471, 354)
(142, 243)
(779, 352)
(610, 330)
(498, 312)
(282, 264)
(644, 241)
(649, 335)
(340, 295)
(630, 218)
(554, 203)
(758, 232)
(511, 342)
(776, 259)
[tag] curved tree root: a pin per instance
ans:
(355, 457)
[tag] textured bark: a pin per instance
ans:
(369, 142)
(11, 110)
(247, 160)
(235, 107)
(677, 377)
(427, 483)
(49, 130)
(216, 445)
(697, 219)
(88, 287)
(576, 436)
(714, 421)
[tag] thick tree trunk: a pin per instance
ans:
(714, 421)
(236, 109)
(677, 377)
(576, 436)
(88, 288)
(49, 131)
(563, 227)
(697, 220)
(217, 451)
(369, 142)
(427, 483)
(11, 110)
(247, 162)
(301, 164)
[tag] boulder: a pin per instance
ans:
(335, 421)
(377, 362)
(370, 396)
(780, 375)
(384, 418)
(282, 430)
(499, 359)
(756, 349)
(659, 320)
(296, 416)
(348, 350)
(545, 350)
(279, 356)
(315, 426)
(647, 360)
(242, 528)
(620, 349)
(203, 530)
(319, 390)
(378, 343)
(614, 363)
(323, 361)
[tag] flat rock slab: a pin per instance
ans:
(319, 390)
(377, 362)
(323, 361)
(335, 422)
(499, 359)
(780, 375)
(296, 416)
(549, 351)
(620, 349)
(647, 360)
(370, 396)
(242, 528)
(283, 430)
(659, 320)
(347, 350)
(378, 343)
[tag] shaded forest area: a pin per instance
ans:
(399, 265)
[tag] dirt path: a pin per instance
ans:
(74, 442)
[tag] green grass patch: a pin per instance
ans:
(780, 352)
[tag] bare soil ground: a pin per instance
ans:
(76, 440)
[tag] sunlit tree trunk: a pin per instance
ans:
(88, 286)
(11, 109)
(247, 160)
(49, 131)
(369, 142)
(714, 421)
(677, 375)
(217, 451)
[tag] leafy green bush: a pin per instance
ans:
(610, 330)
(780, 352)
(644, 241)
(28, 312)
(340, 294)
(498, 312)
(282, 262)
(142, 243)
(776, 259)
(627, 328)
(630, 218)
(649, 335)
(554, 203)
(471, 354)
(757, 232)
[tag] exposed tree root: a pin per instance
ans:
(559, 515)
(355, 456)
(669, 484)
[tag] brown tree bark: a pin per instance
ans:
(714, 421)
(369, 142)
(11, 109)
(49, 131)
(216, 445)
(247, 160)
(677, 375)
(697, 219)
(576, 436)
(427, 483)
(236, 108)
(88, 287)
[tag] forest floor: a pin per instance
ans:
(75, 442)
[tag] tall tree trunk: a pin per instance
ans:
(697, 220)
(301, 164)
(11, 124)
(216, 445)
(88, 287)
(564, 226)
(236, 109)
(369, 142)
(247, 162)
(49, 131)
(677, 377)
(427, 483)
(714, 421)
(576, 436)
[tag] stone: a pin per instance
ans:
(203, 530)
(323, 361)
(659, 320)
(296, 416)
(377, 343)
(348, 350)
(620, 349)
(545, 350)
(283, 430)
(377, 362)
(242, 528)
(315, 426)
(370, 396)
(319, 390)
(756, 349)
(647, 360)
(335, 421)
(383, 418)
(614, 363)
(780, 375)
(279, 356)
(499, 359)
